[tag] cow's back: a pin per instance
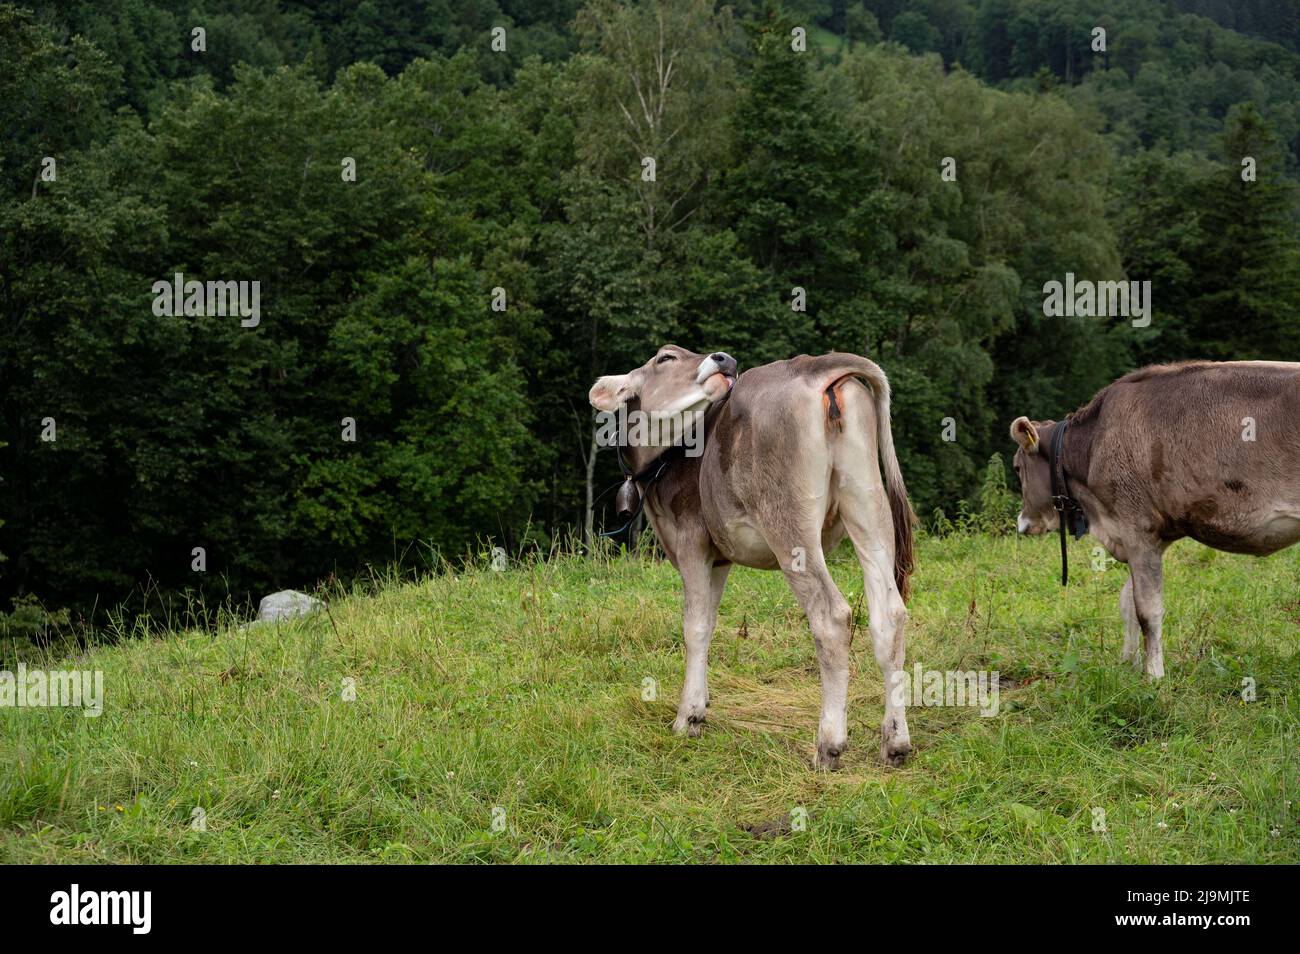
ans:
(772, 432)
(1209, 450)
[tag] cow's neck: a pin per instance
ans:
(640, 460)
(1076, 459)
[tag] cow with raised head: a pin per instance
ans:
(1201, 449)
(788, 467)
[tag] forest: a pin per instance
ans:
(450, 216)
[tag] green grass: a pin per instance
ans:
(523, 689)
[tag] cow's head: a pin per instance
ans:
(1037, 515)
(674, 382)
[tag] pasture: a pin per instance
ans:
(517, 695)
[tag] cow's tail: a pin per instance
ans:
(900, 509)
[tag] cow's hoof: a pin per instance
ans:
(895, 741)
(895, 753)
(828, 757)
(689, 726)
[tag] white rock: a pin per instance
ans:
(286, 604)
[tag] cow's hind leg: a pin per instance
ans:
(830, 619)
(1132, 628)
(865, 511)
(702, 586)
(872, 534)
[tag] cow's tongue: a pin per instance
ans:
(716, 384)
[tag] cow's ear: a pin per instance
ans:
(611, 391)
(1025, 434)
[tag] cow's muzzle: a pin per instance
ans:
(717, 363)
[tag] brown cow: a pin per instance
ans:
(1200, 449)
(789, 466)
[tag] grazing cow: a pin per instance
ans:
(788, 467)
(1207, 450)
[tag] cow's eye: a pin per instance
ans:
(666, 357)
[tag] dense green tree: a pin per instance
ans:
(500, 246)
(790, 185)
(913, 30)
(1221, 250)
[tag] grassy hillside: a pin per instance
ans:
(523, 689)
